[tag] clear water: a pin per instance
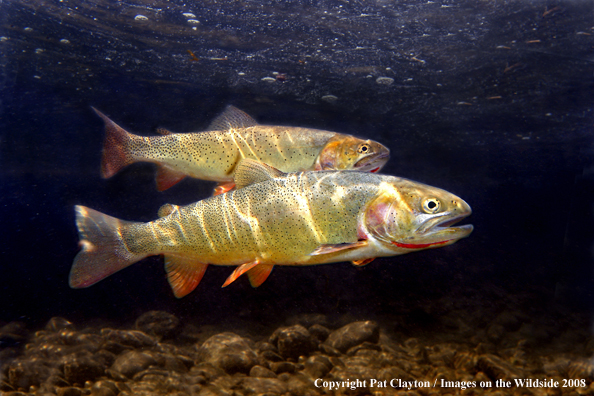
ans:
(490, 100)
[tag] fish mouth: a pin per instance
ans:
(372, 163)
(437, 231)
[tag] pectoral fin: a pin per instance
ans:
(361, 263)
(250, 171)
(167, 177)
(183, 274)
(242, 269)
(326, 249)
(259, 274)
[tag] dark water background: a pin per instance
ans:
(491, 100)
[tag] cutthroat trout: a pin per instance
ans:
(273, 219)
(232, 136)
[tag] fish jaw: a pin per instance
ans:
(416, 218)
(372, 163)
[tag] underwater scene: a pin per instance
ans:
(313, 197)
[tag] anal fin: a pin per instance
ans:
(259, 274)
(242, 269)
(167, 177)
(337, 247)
(183, 274)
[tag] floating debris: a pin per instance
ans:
(39, 50)
(141, 18)
(194, 21)
(385, 80)
(65, 41)
(269, 79)
(194, 57)
(3, 38)
(189, 15)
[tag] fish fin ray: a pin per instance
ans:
(116, 154)
(183, 274)
(103, 250)
(163, 131)
(231, 118)
(250, 171)
(259, 274)
(222, 188)
(337, 247)
(167, 177)
(167, 210)
(242, 269)
(363, 262)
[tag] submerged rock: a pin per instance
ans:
(158, 324)
(78, 369)
(132, 362)
(293, 341)
(229, 352)
(353, 334)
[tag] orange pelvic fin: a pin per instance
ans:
(242, 269)
(103, 251)
(167, 177)
(259, 274)
(223, 187)
(115, 147)
(183, 274)
(361, 263)
(326, 249)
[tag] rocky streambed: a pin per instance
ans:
(159, 356)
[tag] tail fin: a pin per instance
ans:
(116, 154)
(103, 250)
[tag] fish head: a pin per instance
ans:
(408, 216)
(351, 153)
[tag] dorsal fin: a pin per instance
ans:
(167, 209)
(163, 131)
(250, 171)
(231, 118)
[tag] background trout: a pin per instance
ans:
(274, 219)
(232, 136)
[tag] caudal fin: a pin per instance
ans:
(116, 152)
(103, 250)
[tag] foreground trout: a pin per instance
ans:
(274, 219)
(234, 135)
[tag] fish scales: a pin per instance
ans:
(272, 219)
(233, 136)
(212, 155)
(269, 222)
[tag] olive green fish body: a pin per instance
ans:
(279, 222)
(272, 219)
(233, 136)
(213, 155)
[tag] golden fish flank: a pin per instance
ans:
(274, 219)
(234, 135)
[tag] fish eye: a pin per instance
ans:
(431, 205)
(363, 149)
